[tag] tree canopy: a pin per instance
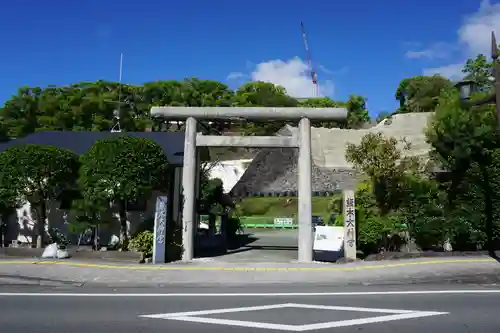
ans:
(420, 93)
(90, 106)
(122, 169)
(38, 174)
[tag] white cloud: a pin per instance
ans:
(453, 71)
(291, 74)
(473, 38)
(435, 51)
(325, 70)
(476, 30)
(236, 75)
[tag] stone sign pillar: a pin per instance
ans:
(349, 212)
(160, 231)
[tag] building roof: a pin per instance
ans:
(80, 142)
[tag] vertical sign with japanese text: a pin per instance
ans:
(160, 231)
(349, 225)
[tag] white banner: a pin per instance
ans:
(328, 238)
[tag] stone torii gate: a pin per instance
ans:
(303, 142)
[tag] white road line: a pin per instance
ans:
(174, 315)
(241, 323)
(298, 294)
(346, 308)
(371, 320)
(390, 315)
(216, 311)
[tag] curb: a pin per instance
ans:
(244, 269)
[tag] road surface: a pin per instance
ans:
(266, 245)
(375, 310)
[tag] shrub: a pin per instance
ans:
(233, 224)
(143, 242)
(379, 232)
(339, 221)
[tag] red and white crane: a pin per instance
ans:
(313, 73)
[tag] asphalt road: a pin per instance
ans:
(391, 309)
(267, 245)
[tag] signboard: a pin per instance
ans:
(328, 238)
(283, 222)
(349, 225)
(160, 231)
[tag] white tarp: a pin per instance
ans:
(52, 251)
(328, 238)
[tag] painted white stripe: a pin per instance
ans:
(241, 323)
(371, 320)
(347, 308)
(304, 294)
(269, 307)
(197, 317)
(216, 311)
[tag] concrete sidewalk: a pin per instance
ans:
(80, 273)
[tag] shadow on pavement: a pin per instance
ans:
(13, 279)
(495, 256)
(243, 243)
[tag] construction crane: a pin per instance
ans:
(314, 74)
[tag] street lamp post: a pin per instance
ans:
(468, 87)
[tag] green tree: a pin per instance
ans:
(357, 114)
(254, 94)
(399, 195)
(324, 102)
(8, 197)
(92, 106)
(420, 93)
(88, 215)
(38, 174)
(121, 169)
(4, 135)
(479, 70)
(423, 211)
(320, 102)
(465, 143)
(384, 163)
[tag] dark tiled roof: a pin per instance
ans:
(80, 142)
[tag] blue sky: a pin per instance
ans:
(360, 47)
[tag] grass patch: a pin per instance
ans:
(282, 206)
